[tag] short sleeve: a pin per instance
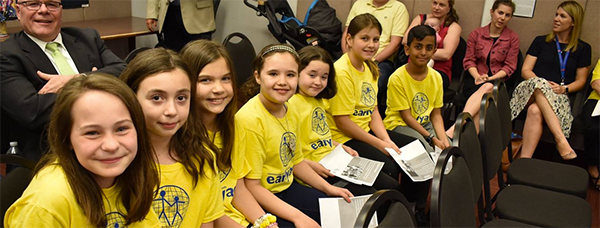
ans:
(586, 55)
(401, 20)
(397, 100)
(352, 13)
(238, 159)
(535, 47)
(343, 103)
(255, 154)
(30, 215)
(214, 200)
(439, 95)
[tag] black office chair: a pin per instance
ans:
(242, 54)
(449, 110)
(398, 213)
(534, 172)
(522, 203)
(452, 202)
(134, 53)
(14, 182)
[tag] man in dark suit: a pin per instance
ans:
(31, 72)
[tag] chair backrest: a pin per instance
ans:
(242, 54)
(490, 136)
(581, 96)
(134, 53)
(466, 139)
(503, 104)
(452, 202)
(515, 78)
(457, 61)
(398, 213)
(14, 182)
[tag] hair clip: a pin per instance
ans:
(280, 47)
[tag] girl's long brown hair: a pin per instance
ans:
(198, 54)
(135, 185)
(359, 23)
(191, 142)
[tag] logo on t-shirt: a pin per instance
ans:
(319, 122)
(115, 220)
(224, 174)
(171, 204)
(420, 104)
(368, 96)
(287, 147)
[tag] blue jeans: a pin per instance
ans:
(386, 68)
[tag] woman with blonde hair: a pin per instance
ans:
(550, 78)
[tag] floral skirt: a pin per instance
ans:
(560, 102)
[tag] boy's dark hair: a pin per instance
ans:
(420, 32)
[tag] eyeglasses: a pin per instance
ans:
(35, 5)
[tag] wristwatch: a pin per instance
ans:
(566, 89)
(429, 139)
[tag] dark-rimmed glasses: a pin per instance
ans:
(35, 5)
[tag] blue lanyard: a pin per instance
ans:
(563, 62)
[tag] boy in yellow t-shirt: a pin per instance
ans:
(415, 93)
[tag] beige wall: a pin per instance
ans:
(470, 14)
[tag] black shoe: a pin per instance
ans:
(422, 218)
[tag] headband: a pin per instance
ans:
(280, 47)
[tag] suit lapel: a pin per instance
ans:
(77, 52)
(37, 57)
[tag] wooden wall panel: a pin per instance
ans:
(100, 9)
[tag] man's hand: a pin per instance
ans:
(56, 81)
(152, 24)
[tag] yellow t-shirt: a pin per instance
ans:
(239, 169)
(421, 97)
(49, 201)
(272, 145)
(178, 204)
(392, 16)
(315, 134)
(595, 76)
(356, 96)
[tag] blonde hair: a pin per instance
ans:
(576, 12)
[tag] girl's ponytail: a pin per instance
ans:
(374, 68)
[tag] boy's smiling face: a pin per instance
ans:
(421, 51)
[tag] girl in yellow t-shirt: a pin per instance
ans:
(217, 100)
(273, 146)
(316, 84)
(189, 193)
(358, 123)
(100, 160)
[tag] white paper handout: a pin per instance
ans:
(355, 170)
(596, 111)
(414, 161)
(337, 213)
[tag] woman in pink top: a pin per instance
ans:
(492, 53)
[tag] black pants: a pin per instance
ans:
(414, 191)
(174, 35)
(591, 131)
(302, 198)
